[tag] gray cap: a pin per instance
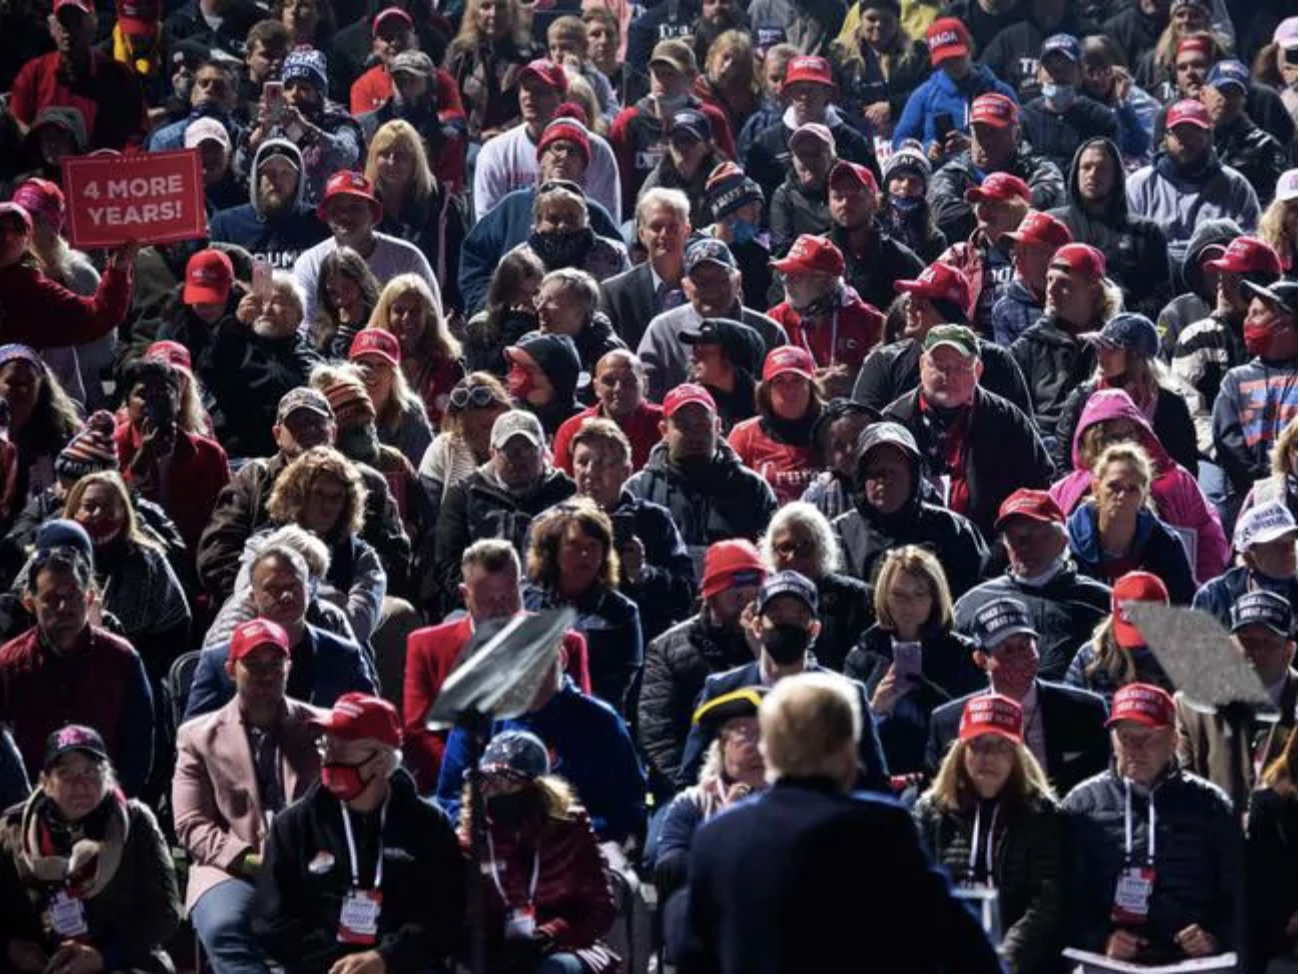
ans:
(517, 423)
(412, 63)
(1265, 608)
(303, 398)
(887, 432)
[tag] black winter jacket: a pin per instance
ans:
(797, 209)
(1059, 136)
(890, 371)
(947, 193)
(1054, 364)
(873, 273)
(666, 590)
(845, 608)
(1253, 153)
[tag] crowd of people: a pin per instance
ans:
(899, 346)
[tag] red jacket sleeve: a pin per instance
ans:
(575, 660)
(22, 99)
(450, 105)
(40, 302)
(422, 749)
(723, 137)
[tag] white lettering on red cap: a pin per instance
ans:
(944, 38)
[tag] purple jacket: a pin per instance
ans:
(1177, 496)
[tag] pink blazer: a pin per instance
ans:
(214, 792)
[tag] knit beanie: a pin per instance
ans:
(350, 402)
(91, 449)
(728, 189)
(558, 358)
(306, 63)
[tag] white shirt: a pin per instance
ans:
(508, 162)
(391, 257)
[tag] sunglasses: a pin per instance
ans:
(463, 397)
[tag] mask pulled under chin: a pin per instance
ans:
(102, 531)
(786, 643)
(519, 382)
(344, 780)
(1257, 339)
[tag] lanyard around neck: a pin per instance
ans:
(352, 846)
(496, 873)
(988, 843)
(1128, 824)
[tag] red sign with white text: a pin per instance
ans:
(151, 197)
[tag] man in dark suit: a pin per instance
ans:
(768, 877)
(1065, 728)
(633, 298)
(784, 628)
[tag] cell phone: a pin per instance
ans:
(273, 93)
(943, 125)
(261, 279)
(907, 662)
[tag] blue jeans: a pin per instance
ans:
(561, 962)
(223, 918)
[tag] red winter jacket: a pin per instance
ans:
(431, 653)
(40, 312)
(843, 338)
(788, 468)
(186, 485)
(641, 427)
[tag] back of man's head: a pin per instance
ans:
(810, 725)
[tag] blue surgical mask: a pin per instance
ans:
(1060, 97)
(742, 231)
(905, 205)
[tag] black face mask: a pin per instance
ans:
(560, 249)
(786, 643)
(512, 809)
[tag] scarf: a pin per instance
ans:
(147, 65)
(83, 856)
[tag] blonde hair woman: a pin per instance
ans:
(430, 354)
(1114, 531)
(491, 46)
(1278, 225)
(910, 660)
(991, 819)
(421, 200)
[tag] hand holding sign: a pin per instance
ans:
(134, 197)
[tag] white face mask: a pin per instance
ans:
(1060, 97)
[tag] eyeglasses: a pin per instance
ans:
(793, 547)
(472, 396)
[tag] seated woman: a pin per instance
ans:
(835, 439)
(86, 877)
(778, 443)
(430, 353)
(990, 818)
(241, 605)
(42, 419)
(400, 417)
(911, 661)
(561, 234)
(733, 769)
(321, 491)
(800, 538)
(1114, 531)
(1111, 417)
(572, 562)
(509, 313)
(546, 900)
(347, 292)
(193, 416)
(137, 584)
(1118, 654)
(568, 303)
(464, 442)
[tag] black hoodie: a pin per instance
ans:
(1135, 248)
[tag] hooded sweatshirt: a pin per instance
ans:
(1197, 299)
(1135, 248)
(1177, 496)
(276, 238)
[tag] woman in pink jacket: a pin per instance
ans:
(1109, 417)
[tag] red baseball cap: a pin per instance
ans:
(938, 282)
(349, 183)
(857, 171)
(255, 633)
(789, 359)
(731, 563)
(1135, 587)
(995, 110)
(358, 716)
(687, 393)
(947, 38)
(1201, 43)
(1030, 503)
(9, 208)
(1041, 228)
(812, 255)
(172, 353)
(1189, 112)
(1145, 704)
(809, 68)
(547, 72)
(1081, 259)
(376, 342)
(391, 13)
(209, 276)
(1247, 255)
(999, 188)
(992, 715)
(139, 16)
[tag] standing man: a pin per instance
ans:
(786, 911)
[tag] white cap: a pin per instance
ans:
(1263, 523)
(205, 129)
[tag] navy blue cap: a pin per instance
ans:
(1265, 608)
(788, 583)
(1227, 73)
(66, 534)
(999, 619)
(1066, 44)
(516, 753)
(693, 122)
(708, 249)
(1128, 330)
(73, 738)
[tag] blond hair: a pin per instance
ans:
(953, 790)
(436, 335)
(114, 483)
(547, 534)
(402, 135)
(924, 565)
(289, 496)
(807, 722)
(1130, 453)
